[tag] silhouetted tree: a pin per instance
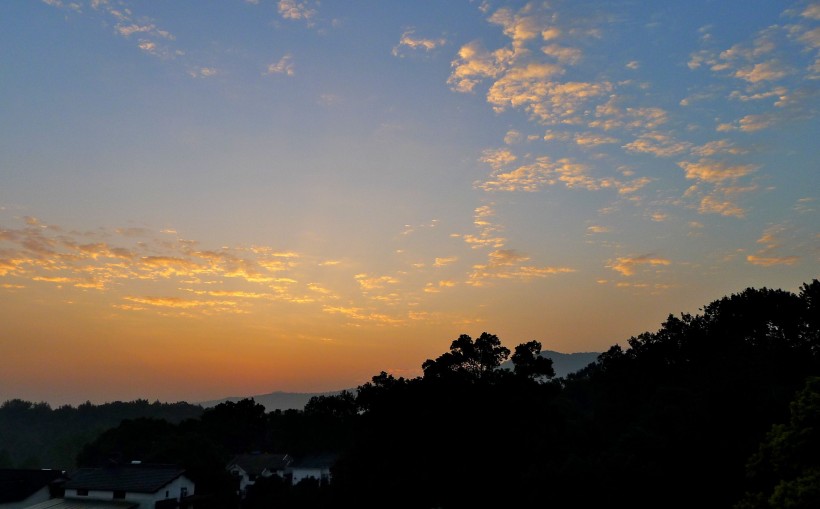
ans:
(528, 363)
(786, 468)
(468, 360)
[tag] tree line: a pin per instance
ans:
(716, 409)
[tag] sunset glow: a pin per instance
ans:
(228, 198)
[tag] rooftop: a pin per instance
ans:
(129, 478)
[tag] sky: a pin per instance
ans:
(228, 198)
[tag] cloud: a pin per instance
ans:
(283, 66)
(520, 27)
(411, 42)
(715, 172)
(627, 265)
(764, 71)
(474, 63)
(367, 282)
(718, 147)
(812, 11)
(548, 102)
(597, 229)
(769, 261)
(612, 115)
(444, 261)
(290, 9)
(657, 144)
(498, 158)
(513, 137)
(203, 72)
(589, 140)
(487, 230)
(772, 241)
(563, 54)
(508, 264)
(714, 204)
(362, 315)
(544, 171)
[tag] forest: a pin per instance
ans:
(718, 409)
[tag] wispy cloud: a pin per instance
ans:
(628, 265)
(410, 42)
(283, 66)
(293, 10)
(772, 242)
(508, 264)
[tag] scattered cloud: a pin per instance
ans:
(444, 261)
(203, 72)
(409, 41)
(772, 242)
(715, 172)
(658, 144)
(283, 66)
(510, 264)
(293, 10)
(627, 265)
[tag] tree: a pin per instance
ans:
(469, 360)
(529, 363)
(786, 467)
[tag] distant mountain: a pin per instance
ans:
(275, 400)
(563, 363)
(566, 363)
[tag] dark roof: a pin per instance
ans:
(255, 464)
(129, 478)
(17, 485)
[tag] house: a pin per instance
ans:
(316, 466)
(247, 468)
(134, 486)
(20, 488)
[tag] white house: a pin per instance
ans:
(21, 488)
(247, 468)
(317, 466)
(134, 486)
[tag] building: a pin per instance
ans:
(21, 488)
(134, 486)
(247, 468)
(315, 466)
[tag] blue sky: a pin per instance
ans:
(297, 195)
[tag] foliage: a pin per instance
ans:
(786, 467)
(33, 435)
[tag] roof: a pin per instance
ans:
(129, 478)
(60, 503)
(17, 485)
(255, 464)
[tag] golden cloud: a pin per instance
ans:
(444, 261)
(715, 172)
(474, 64)
(769, 261)
(627, 265)
(657, 144)
(374, 282)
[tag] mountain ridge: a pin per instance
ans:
(563, 363)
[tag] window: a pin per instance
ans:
(119, 494)
(82, 492)
(183, 492)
